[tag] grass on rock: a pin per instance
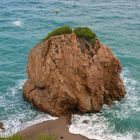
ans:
(85, 32)
(59, 31)
(81, 32)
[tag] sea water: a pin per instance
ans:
(23, 23)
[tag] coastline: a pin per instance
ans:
(58, 128)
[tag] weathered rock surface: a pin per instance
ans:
(67, 74)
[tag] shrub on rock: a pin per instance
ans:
(85, 32)
(59, 31)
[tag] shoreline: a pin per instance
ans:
(58, 128)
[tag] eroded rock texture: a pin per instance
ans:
(67, 75)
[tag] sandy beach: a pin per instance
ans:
(58, 127)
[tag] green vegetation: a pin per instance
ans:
(81, 32)
(39, 137)
(85, 32)
(45, 137)
(14, 137)
(61, 30)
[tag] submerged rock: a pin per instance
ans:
(1, 126)
(67, 74)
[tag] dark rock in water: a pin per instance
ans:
(67, 74)
(85, 121)
(1, 126)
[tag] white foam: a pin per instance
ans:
(97, 126)
(14, 125)
(93, 126)
(21, 119)
(17, 22)
(18, 86)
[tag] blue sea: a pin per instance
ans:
(23, 23)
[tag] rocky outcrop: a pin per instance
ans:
(67, 74)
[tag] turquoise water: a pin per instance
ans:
(117, 24)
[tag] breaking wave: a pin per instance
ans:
(115, 122)
(18, 114)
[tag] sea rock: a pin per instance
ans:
(67, 74)
(1, 126)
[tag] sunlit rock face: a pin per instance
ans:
(67, 74)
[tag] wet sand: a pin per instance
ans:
(58, 127)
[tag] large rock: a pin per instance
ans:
(67, 74)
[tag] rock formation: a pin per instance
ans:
(67, 74)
